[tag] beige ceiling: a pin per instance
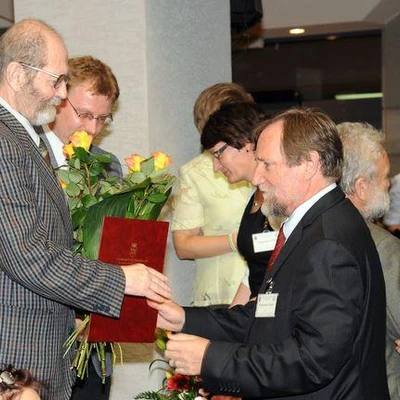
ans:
(326, 16)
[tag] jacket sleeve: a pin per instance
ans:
(34, 249)
(225, 324)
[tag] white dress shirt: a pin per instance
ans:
(301, 210)
(56, 146)
(25, 123)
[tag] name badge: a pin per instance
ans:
(266, 305)
(264, 241)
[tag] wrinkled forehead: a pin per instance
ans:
(57, 54)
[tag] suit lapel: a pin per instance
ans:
(47, 176)
(326, 202)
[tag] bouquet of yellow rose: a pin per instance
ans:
(92, 194)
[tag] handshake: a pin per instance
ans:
(141, 280)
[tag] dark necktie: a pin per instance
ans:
(278, 246)
(45, 152)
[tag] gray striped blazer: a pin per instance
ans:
(388, 247)
(41, 280)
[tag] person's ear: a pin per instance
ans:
(15, 75)
(361, 187)
(312, 165)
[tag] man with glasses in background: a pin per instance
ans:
(92, 93)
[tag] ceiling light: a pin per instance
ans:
(359, 96)
(296, 31)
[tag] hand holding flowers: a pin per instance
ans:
(185, 352)
(175, 385)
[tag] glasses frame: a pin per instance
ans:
(102, 119)
(59, 79)
(217, 154)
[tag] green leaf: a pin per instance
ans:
(89, 200)
(115, 205)
(158, 175)
(147, 166)
(78, 217)
(136, 177)
(96, 169)
(105, 158)
(157, 198)
(72, 189)
(64, 175)
(76, 176)
(73, 202)
(150, 396)
(75, 163)
(81, 154)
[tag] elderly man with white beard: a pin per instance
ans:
(42, 281)
(365, 180)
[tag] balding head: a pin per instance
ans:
(33, 70)
(27, 41)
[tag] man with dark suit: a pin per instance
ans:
(365, 181)
(317, 329)
(41, 279)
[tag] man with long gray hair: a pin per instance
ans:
(365, 181)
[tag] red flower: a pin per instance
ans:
(180, 383)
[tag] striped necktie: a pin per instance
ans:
(278, 246)
(45, 152)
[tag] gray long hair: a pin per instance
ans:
(363, 147)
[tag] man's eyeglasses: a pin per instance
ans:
(217, 154)
(59, 79)
(101, 119)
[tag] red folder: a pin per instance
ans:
(127, 241)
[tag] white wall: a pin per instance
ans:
(164, 53)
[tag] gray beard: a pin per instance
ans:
(273, 209)
(377, 207)
(44, 116)
(47, 111)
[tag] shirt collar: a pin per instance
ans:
(24, 122)
(301, 210)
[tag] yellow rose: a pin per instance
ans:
(68, 150)
(62, 183)
(133, 162)
(81, 139)
(161, 160)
